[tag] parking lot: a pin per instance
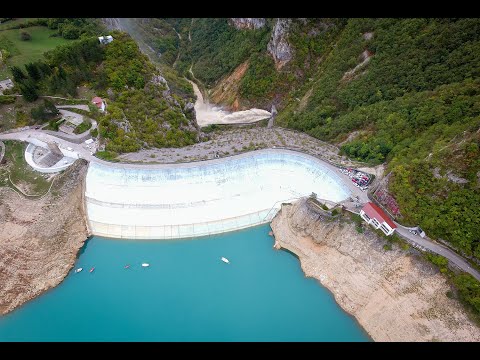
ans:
(359, 178)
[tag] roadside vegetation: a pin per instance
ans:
(84, 126)
(465, 287)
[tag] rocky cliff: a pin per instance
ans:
(40, 239)
(278, 46)
(112, 23)
(395, 295)
(247, 23)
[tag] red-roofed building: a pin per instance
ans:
(375, 216)
(98, 101)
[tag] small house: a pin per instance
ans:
(99, 103)
(5, 84)
(376, 217)
(105, 39)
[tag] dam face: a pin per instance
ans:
(188, 200)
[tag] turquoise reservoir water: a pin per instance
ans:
(187, 294)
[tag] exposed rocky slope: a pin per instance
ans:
(247, 23)
(278, 46)
(395, 295)
(112, 23)
(40, 239)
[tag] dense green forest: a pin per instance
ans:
(415, 105)
(402, 91)
(141, 112)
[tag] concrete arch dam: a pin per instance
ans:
(195, 199)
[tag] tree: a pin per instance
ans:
(33, 71)
(38, 113)
(45, 111)
(70, 31)
(18, 74)
(25, 36)
(28, 90)
(50, 108)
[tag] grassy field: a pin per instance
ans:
(21, 174)
(10, 23)
(22, 52)
(84, 126)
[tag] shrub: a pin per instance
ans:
(7, 99)
(25, 36)
(106, 155)
(84, 126)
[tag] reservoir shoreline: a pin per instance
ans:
(394, 295)
(406, 321)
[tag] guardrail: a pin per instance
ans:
(276, 202)
(2, 151)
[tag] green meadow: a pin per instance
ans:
(22, 52)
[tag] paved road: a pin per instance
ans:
(81, 107)
(26, 135)
(438, 249)
(84, 153)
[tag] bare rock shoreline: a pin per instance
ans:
(394, 295)
(40, 239)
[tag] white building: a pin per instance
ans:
(376, 217)
(5, 84)
(105, 39)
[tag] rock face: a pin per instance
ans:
(112, 23)
(395, 295)
(40, 239)
(247, 23)
(278, 46)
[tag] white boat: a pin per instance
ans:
(78, 270)
(225, 260)
(145, 265)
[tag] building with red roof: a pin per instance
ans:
(376, 217)
(98, 101)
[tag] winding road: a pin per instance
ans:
(438, 249)
(362, 198)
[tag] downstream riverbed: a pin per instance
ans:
(208, 114)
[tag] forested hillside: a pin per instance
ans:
(413, 104)
(142, 110)
(404, 92)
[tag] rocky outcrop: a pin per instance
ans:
(247, 23)
(40, 239)
(395, 295)
(278, 46)
(112, 23)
